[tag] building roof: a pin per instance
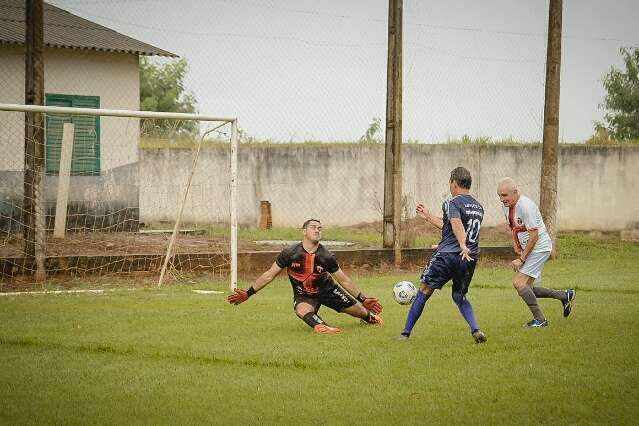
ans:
(65, 30)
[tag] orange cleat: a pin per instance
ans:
(325, 329)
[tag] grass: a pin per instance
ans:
(186, 142)
(173, 356)
(488, 140)
(179, 142)
(602, 137)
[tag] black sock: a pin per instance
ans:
(528, 296)
(312, 319)
(541, 292)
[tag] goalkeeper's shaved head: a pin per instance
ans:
(305, 225)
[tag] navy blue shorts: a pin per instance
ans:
(444, 267)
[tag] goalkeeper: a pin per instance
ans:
(311, 268)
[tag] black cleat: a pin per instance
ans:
(570, 296)
(479, 336)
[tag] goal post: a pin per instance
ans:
(169, 123)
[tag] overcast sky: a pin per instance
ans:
(316, 69)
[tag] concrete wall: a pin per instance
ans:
(109, 201)
(343, 185)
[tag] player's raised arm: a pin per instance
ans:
(240, 296)
(370, 303)
(424, 213)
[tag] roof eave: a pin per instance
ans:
(160, 52)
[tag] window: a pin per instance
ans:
(86, 141)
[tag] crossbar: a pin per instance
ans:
(113, 112)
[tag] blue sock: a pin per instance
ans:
(415, 312)
(466, 310)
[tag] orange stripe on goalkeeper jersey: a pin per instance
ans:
(309, 265)
(309, 268)
(309, 283)
(298, 277)
(306, 280)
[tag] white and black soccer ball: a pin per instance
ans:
(404, 292)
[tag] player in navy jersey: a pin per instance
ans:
(456, 254)
(311, 268)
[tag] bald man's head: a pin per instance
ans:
(507, 184)
(508, 192)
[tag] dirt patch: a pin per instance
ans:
(417, 227)
(123, 243)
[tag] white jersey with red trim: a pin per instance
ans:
(523, 216)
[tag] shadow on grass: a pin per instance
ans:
(191, 358)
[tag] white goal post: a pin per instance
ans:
(174, 116)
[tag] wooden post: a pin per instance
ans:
(266, 220)
(64, 176)
(549, 162)
(33, 196)
(393, 158)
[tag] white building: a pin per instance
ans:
(86, 65)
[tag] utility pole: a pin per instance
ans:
(33, 197)
(393, 154)
(549, 161)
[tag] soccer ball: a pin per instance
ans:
(404, 292)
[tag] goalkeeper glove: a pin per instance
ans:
(370, 303)
(240, 296)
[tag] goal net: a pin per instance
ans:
(90, 191)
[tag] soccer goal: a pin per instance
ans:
(87, 190)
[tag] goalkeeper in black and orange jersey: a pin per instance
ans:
(311, 269)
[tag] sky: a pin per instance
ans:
(296, 70)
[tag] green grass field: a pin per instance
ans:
(174, 356)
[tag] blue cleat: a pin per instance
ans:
(570, 296)
(534, 323)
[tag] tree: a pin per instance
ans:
(622, 99)
(372, 135)
(162, 89)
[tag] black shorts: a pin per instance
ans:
(444, 267)
(333, 297)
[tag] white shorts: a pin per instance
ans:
(534, 264)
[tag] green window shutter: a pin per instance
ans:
(86, 142)
(54, 123)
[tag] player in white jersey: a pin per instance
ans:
(533, 245)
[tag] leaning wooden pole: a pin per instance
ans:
(393, 153)
(33, 187)
(549, 162)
